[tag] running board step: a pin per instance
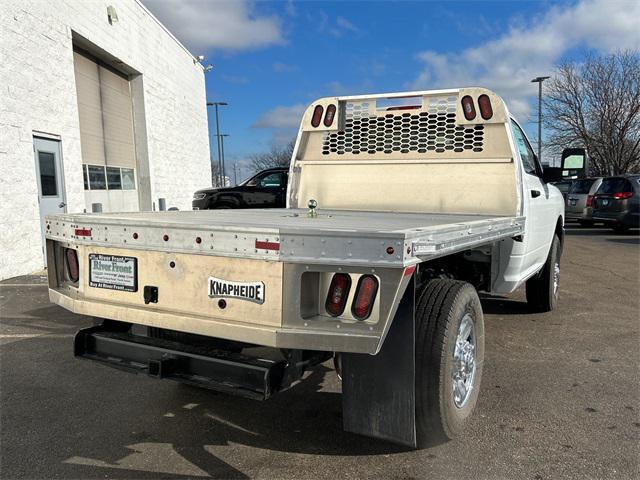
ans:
(219, 370)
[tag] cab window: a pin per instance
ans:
(272, 180)
(526, 152)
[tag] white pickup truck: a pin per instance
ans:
(400, 208)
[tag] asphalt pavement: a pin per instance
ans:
(560, 397)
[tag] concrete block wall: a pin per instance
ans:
(37, 94)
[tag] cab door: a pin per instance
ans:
(539, 206)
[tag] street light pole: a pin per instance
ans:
(216, 104)
(539, 81)
(221, 136)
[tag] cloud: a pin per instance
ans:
(281, 117)
(282, 122)
(224, 25)
(508, 63)
(283, 67)
(345, 24)
(337, 28)
(235, 79)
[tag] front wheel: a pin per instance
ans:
(449, 358)
(542, 289)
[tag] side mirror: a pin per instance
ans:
(551, 174)
(574, 163)
(252, 183)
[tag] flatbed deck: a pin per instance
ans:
(290, 235)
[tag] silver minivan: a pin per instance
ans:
(579, 204)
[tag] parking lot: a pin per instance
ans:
(560, 397)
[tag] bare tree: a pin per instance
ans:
(215, 173)
(277, 157)
(596, 105)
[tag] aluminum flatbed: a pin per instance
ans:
(333, 237)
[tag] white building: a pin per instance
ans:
(99, 104)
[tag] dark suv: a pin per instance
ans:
(617, 202)
(266, 189)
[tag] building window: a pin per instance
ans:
(84, 175)
(128, 179)
(98, 177)
(114, 181)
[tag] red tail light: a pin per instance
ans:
(468, 107)
(72, 265)
(486, 110)
(365, 297)
(338, 294)
(590, 200)
(317, 116)
(622, 195)
(83, 232)
(330, 115)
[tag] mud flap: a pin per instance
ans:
(378, 391)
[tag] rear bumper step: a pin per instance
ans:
(232, 373)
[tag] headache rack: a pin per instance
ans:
(385, 239)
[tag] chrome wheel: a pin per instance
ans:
(464, 361)
(556, 277)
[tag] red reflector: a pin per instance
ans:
(486, 110)
(622, 195)
(72, 265)
(365, 296)
(409, 270)
(267, 245)
(83, 232)
(330, 115)
(468, 107)
(317, 116)
(338, 294)
(590, 201)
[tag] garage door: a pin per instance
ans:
(106, 135)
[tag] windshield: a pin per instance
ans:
(615, 185)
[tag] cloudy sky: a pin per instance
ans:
(273, 58)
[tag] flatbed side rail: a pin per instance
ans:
(441, 243)
(368, 247)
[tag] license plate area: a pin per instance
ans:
(113, 272)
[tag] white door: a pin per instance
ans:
(538, 206)
(50, 180)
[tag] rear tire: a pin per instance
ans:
(542, 288)
(620, 228)
(447, 357)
